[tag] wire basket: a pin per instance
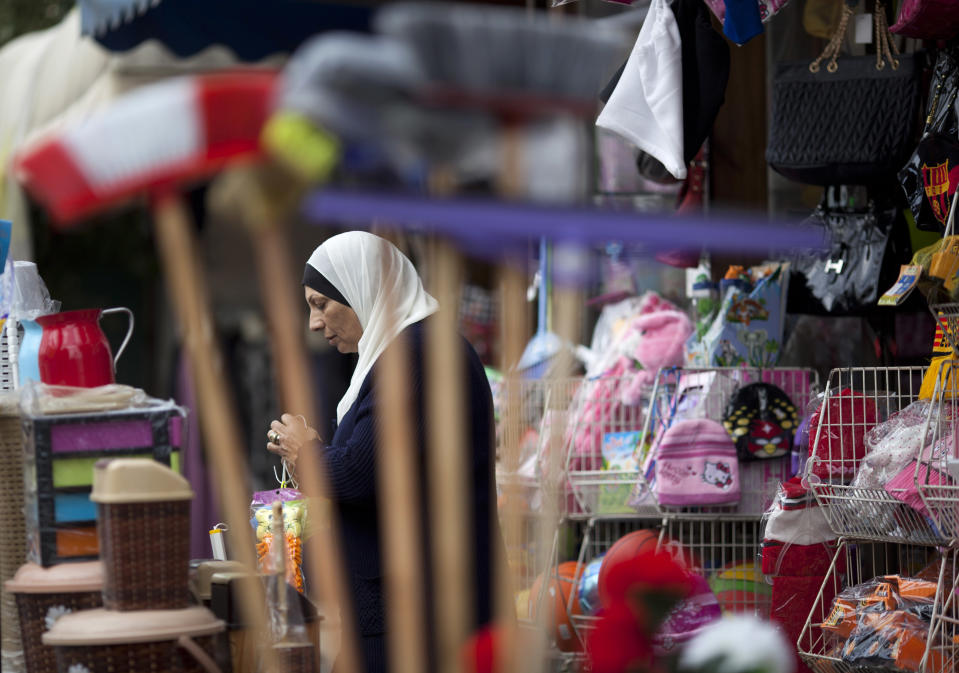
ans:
(846, 471)
(706, 393)
(724, 552)
(858, 562)
(606, 417)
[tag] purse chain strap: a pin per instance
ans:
(886, 49)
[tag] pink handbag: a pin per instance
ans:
(927, 19)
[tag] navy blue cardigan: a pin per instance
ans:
(351, 466)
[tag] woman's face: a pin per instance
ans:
(337, 322)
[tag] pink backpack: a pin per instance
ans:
(696, 465)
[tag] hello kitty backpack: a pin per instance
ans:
(695, 464)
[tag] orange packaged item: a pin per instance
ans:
(842, 618)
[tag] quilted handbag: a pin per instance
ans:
(928, 19)
(853, 121)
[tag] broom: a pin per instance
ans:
(149, 143)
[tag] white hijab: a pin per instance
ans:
(382, 286)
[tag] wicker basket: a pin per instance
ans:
(105, 641)
(45, 594)
(143, 523)
(13, 549)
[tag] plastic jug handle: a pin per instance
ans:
(126, 339)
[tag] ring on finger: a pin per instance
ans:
(273, 437)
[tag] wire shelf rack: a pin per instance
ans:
(851, 467)
(723, 551)
(856, 562)
(706, 393)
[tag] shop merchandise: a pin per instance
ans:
(631, 545)
(761, 419)
(816, 134)
(561, 583)
(838, 445)
(930, 175)
(621, 454)
(927, 19)
(294, 507)
(747, 329)
(705, 59)
(696, 464)
(740, 588)
(766, 9)
(689, 617)
(646, 107)
(589, 586)
(894, 443)
(884, 622)
(66, 431)
(861, 258)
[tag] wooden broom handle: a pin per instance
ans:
(186, 284)
(281, 297)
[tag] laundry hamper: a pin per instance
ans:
(13, 548)
(45, 594)
(143, 523)
(159, 641)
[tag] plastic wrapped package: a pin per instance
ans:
(883, 623)
(294, 527)
(892, 444)
(60, 450)
(31, 299)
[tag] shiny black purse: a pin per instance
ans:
(859, 260)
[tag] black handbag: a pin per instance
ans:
(851, 120)
(931, 174)
(859, 260)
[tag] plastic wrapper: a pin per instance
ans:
(892, 444)
(294, 528)
(41, 399)
(883, 622)
(31, 299)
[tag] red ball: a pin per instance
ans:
(627, 547)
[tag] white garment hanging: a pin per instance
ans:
(646, 107)
(382, 286)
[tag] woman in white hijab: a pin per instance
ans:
(362, 293)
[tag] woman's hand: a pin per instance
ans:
(288, 435)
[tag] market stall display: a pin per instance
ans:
(65, 435)
(43, 595)
(143, 509)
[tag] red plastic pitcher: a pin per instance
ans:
(74, 351)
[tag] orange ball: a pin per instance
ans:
(560, 584)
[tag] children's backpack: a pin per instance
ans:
(696, 465)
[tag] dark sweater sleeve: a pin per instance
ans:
(351, 465)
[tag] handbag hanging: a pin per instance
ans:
(931, 174)
(859, 259)
(849, 122)
(928, 19)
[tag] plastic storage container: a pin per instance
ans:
(160, 641)
(143, 522)
(43, 595)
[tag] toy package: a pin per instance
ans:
(621, 458)
(884, 623)
(748, 328)
(295, 523)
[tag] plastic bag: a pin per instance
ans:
(31, 299)
(748, 329)
(40, 399)
(892, 444)
(295, 528)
